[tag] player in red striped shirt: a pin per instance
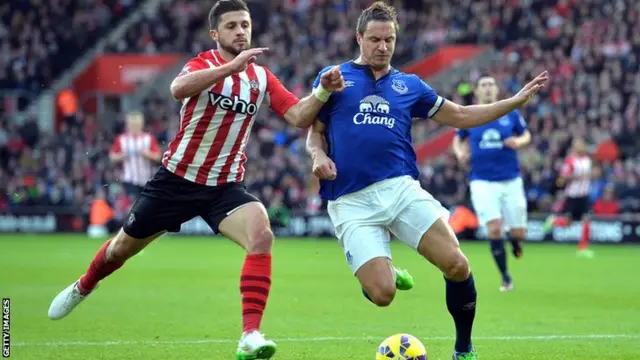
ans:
(575, 176)
(138, 152)
(202, 174)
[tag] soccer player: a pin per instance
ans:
(202, 171)
(138, 152)
(575, 176)
(362, 152)
(497, 191)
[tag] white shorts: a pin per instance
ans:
(500, 200)
(366, 219)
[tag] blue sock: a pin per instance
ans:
(500, 257)
(461, 303)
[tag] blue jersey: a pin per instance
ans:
(369, 127)
(491, 160)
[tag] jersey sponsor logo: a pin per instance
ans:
(504, 121)
(399, 86)
(491, 139)
(373, 111)
(233, 103)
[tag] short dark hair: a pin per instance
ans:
(222, 7)
(482, 76)
(378, 11)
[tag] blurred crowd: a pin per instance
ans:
(592, 51)
(591, 48)
(39, 39)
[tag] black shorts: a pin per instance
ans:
(577, 207)
(132, 190)
(167, 201)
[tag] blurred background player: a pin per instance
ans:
(361, 149)
(202, 172)
(497, 190)
(575, 177)
(138, 152)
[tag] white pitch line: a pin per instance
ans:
(319, 339)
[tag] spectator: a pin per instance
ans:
(607, 205)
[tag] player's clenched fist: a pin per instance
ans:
(324, 168)
(332, 80)
(242, 61)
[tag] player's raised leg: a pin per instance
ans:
(359, 224)
(486, 199)
(368, 254)
(248, 226)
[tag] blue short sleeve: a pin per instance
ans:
(428, 102)
(519, 125)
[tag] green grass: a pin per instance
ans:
(180, 300)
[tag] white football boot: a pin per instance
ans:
(66, 301)
(253, 346)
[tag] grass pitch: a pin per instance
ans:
(180, 300)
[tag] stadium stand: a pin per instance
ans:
(40, 39)
(594, 93)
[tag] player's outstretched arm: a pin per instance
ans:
(466, 117)
(194, 82)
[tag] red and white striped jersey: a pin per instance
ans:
(579, 168)
(215, 125)
(137, 169)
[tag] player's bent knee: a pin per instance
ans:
(261, 241)
(457, 267)
(494, 228)
(377, 280)
(382, 295)
(519, 234)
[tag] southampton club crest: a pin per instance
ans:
(255, 87)
(399, 86)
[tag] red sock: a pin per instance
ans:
(561, 221)
(98, 270)
(255, 283)
(586, 231)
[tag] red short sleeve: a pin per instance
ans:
(192, 65)
(567, 167)
(116, 145)
(154, 148)
(281, 99)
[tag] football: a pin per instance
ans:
(401, 347)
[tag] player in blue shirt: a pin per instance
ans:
(497, 191)
(362, 151)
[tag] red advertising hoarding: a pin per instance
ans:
(118, 74)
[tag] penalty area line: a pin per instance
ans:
(320, 339)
